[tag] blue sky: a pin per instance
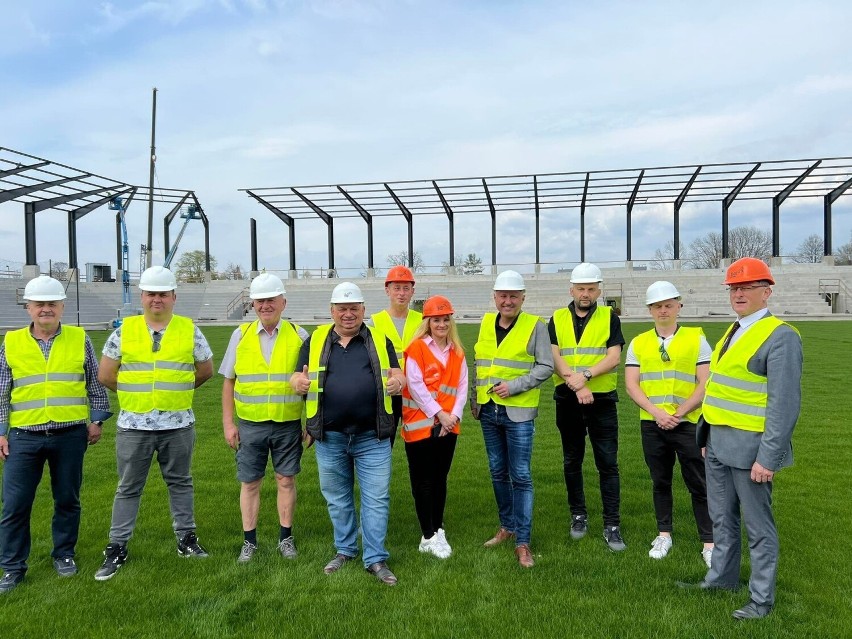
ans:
(273, 93)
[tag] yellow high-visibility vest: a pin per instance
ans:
(164, 380)
(316, 371)
(495, 364)
(735, 396)
(262, 391)
(384, 322)
(668, 384)
(52, 390)
(590, 350)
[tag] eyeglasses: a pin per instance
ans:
(155, 345)
(664, 355)
(745, 289)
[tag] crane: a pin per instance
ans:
(189, 212)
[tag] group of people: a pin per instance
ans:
(726, 413)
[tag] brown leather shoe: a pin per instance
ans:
(499, 537)
(525, 558)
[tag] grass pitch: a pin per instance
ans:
(576, 589)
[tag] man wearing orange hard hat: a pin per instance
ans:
(750, 408)
(398, 322)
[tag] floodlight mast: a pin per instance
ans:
(153, 159)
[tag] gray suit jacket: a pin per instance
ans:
(779, 359)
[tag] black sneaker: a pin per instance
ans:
(612, 537)
(188, 546)
(579, 526)
(114, 557)
(10, 581)
(65, 567)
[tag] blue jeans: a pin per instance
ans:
(22, 473)
(338, 455)
(509, 447)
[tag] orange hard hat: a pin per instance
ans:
(748, 269)
(399, 274)
(437, 305)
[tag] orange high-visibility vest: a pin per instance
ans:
(442, 382)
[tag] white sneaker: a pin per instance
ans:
(660, 547)
(707, 555)
(442, 541)
(433, 546)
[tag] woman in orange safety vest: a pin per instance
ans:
(432, 405)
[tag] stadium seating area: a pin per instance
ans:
(801, 291)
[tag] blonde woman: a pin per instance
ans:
(432, 405)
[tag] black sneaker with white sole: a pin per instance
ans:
(612, 537)
(114, 557)
(188, 546)
(579, 526)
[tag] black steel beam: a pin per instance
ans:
(778, 200)
(367, 218)
(828, 200)
(583, 220)
(329, 222)
(21, 191)
(493, 223)
(450, 218)
(30, 233)
(72, 241)
(630, 204)
(21, 168)
(43, 205)
(206, 223)
(537, 237)
(679, 203)
(289, 221)
(408, 218)
(726, 207)
(167, 220)
(253, 240)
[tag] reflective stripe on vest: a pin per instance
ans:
(590, 350)
(259, 394)
(52, 390)
(384, 322)
(668, 384)
(443, 384)
(735, 396)
(316, 372)
(495, 364)
(164, 380)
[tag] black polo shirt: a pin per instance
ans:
(615, 339)
(349, 393)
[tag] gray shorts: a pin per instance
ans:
(283, 440)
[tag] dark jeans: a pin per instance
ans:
(22, 473)
(429, 462)
(660, 448)
(600, 421)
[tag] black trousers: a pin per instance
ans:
(429, 462)
(661, 447)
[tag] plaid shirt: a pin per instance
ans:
(98, 398)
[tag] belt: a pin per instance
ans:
(53, 431)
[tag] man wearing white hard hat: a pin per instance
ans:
(349, 371)
(154, 361)
(586, 340)
(51, 407)
(513, 360)
(665, 374)
(257, 366)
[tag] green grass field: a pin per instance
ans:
(577, 589)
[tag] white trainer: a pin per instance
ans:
(442, 540)
(433, 546)
(660, 547)
(707, 555)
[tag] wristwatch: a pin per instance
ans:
(99, 423)
(587, 374)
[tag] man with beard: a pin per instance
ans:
(586, 341)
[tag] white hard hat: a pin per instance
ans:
(157, 278)
(44, 289)
(509, 281)
(586, 273)
(265, 286)
(346, 293)
(659, 291)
